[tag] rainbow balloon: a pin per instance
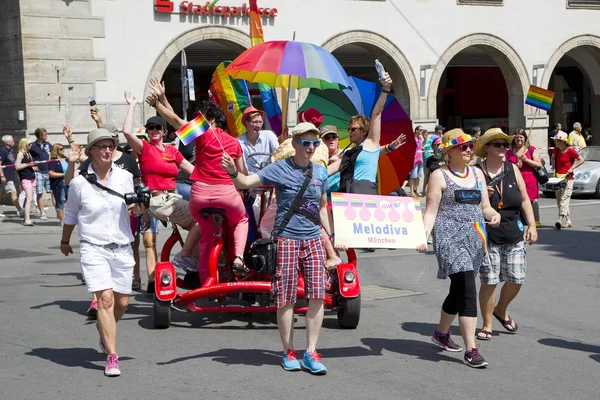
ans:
(232, 96)
(193, 129)
(480, 229)
(539, 98)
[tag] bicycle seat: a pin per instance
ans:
(212, 211)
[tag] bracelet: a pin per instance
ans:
(388, 147)
(233, 176)
(385, 91)
(331, 235)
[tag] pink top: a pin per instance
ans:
(419, 152)
(531, 183)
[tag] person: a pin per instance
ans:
(56, 171)
(40, 151)
(7, 174)
(358, 166)
(475, 132)
(587, 134)
(159, 165)
(212, 187)
(104, 234)
(457, 203)
(436, 161)
(507, 258)
(417, 172)
(427, 146)
(300, 245)
(527, 160)
(564, 161)
(557, 127)
(26, 169)
(256, 140)
(576, 138)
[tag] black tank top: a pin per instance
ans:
(511, 228)
(27, 173)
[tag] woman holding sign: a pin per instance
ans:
(457, 203)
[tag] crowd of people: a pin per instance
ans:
(481, 207)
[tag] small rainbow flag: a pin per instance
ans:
(193, 129)
(480, 229)
(539, 98)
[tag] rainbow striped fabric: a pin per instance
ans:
(539, 98)
(193, 129)
(232, 96)
(480, 229)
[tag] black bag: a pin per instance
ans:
(263, 252)
(347, 168)
(541, 174)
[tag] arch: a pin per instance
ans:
(588, 43)
(233, 36)
(406, 90)
(506, 58)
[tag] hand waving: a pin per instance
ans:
(130, 98)
(157, 87)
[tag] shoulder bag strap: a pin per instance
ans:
(295, 204)
(93, 180)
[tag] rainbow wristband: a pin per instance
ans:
(389, 148)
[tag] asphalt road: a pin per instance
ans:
(48, 350)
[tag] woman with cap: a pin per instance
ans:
(457, 203)
(104, 234)
(160, 164)
(527, 160)
(262, 143)
(212, 186)
(564, 161)
(507, 259)
(300, 245)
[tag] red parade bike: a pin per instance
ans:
(226, 291)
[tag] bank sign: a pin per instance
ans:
(189, 7)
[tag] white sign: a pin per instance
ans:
(191, 89)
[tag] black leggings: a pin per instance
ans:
(462, 299)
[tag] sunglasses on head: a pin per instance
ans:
(154, 127)
(307, 143)
(500, 144)
(330, 136)
(466, 146)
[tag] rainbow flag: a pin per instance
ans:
(480, 229)
(193, 129)
(232, 96)
(539, 98)
(267, 93)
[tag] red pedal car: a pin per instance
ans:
(250, 293)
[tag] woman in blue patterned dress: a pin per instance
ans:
(457, 203)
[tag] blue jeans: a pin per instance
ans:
(59, 192)
(184, 190)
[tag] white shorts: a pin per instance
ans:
(104, 269)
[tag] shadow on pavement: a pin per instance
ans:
(191, 320)
(565, 344)
(570, 244)
(421, 350)
(77, 306)
(73, 357)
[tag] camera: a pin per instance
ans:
(92, 101)
(141, 195)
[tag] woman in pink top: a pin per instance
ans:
(527, 159)
(417, 172)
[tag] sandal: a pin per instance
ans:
(507, 324)
(569, 224)
(27, 224)
(487, 335)
(240, 269)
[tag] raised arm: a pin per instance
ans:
(135, 142)
(239, 180)
(159, 89)
(172, 118)
(395, 145)
(71, 171)
(375, 131)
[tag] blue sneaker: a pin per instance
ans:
(312, 362)
(290, 362)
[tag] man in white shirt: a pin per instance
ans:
(256, 140)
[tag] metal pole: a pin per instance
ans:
(184, 85)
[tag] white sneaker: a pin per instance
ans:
(2, 215)
(43, 217)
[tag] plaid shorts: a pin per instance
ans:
(299, 256)
(507, 262)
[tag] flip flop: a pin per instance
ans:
(507, 323)
(487, 337)
(29, 224)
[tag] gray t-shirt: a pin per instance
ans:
(288, 180)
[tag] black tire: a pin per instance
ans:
(348, 312)
(162, 314)
(597, 194)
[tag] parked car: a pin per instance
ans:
(587, 177)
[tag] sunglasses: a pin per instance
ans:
(306, 143)
(330, 137)
(500, 144)
(109, 147)
(466, 146)
(154, 127)
(352, 129)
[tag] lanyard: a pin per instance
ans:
(499, 187)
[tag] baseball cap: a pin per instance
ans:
(328, 129)
(304, 127)
(157, 121)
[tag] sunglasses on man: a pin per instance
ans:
(306, 143)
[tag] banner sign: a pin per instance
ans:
(366, 221)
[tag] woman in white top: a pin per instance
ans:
(104, 231)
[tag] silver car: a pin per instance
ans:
(587, 177)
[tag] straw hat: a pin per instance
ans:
(488, 136)
(454, 138)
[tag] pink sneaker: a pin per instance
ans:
(112, 366)
(92, 311)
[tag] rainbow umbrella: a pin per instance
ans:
(338, 106)
(289, 64)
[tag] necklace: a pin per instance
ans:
(500, 186)
(458, 174)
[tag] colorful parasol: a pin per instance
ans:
(337, 108)
(289, 64)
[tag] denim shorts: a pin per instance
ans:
(42, 182)
(417, 171)
(154, 223)
(60, 196)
